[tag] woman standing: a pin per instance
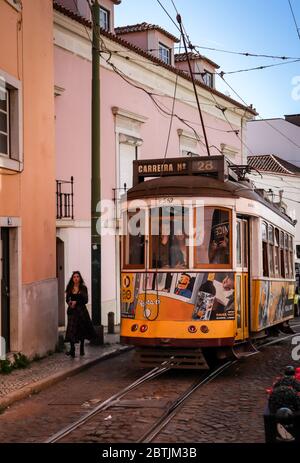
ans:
(79, 325)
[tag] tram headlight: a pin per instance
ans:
(204, 328)
(135, 327)
(143, 328)
(192, 329)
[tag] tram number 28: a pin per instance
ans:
(127, 288)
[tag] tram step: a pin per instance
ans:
(244, 349)
(176, 359)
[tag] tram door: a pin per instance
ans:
(241, 279)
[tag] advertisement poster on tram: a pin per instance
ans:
(275, 302)
(197, 296)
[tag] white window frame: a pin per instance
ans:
(188, 144)
(164, 53)
(104, 18)
(14, 159)
(208, 76)
(7, 133)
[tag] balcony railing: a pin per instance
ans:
(65, 199)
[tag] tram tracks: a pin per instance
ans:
(155, 372)
(167, 416)
(171, 408)
(159, 423)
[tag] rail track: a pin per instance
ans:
(171, 409)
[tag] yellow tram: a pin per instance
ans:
(207, 260)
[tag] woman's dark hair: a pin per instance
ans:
(70, 285)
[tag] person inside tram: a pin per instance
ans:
(178, 251)
(170, 251)
(169, 248)
(219, 252)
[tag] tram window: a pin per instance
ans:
(271, 249)
(264, 232)
(286, 252)
(291, 249)
(264, 236)
(276, 252)
(265, 260)
(213, 237)
(134, 241)
(169, 237)
(245, 244)
(238, 245)
(282, 255)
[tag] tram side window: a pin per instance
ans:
(245, 243)
(134, 240)
(291, 260)
(238, 245)
(213, 237)
(265, 249)
(282, 255)
(169, 237)
(286, 252)
(271, 249)
(276, 253)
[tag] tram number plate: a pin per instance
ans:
(200, 166)
(127, 294)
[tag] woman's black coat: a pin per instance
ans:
(79, 326)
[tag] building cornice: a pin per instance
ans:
(128, 114)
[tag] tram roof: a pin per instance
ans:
(200, 186)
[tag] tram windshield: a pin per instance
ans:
(169, 226)
(213, 237)
(134, 244)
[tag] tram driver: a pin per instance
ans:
(219, 252)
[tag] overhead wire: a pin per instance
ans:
(257, 68)
(236, 131)
(294, 18)
(179, 20)
(235, 71)
(247, 54)
(181, 119)
(222, 77)
(129, 81)
(265, 120)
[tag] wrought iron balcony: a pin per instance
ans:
(65, 199)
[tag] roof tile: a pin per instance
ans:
(144, 27)
(272, 163)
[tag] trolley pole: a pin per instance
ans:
(95, 177)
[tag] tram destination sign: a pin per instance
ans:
(216, 166)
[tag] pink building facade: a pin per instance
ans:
(137, 91)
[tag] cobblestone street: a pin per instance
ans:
(228, 409)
